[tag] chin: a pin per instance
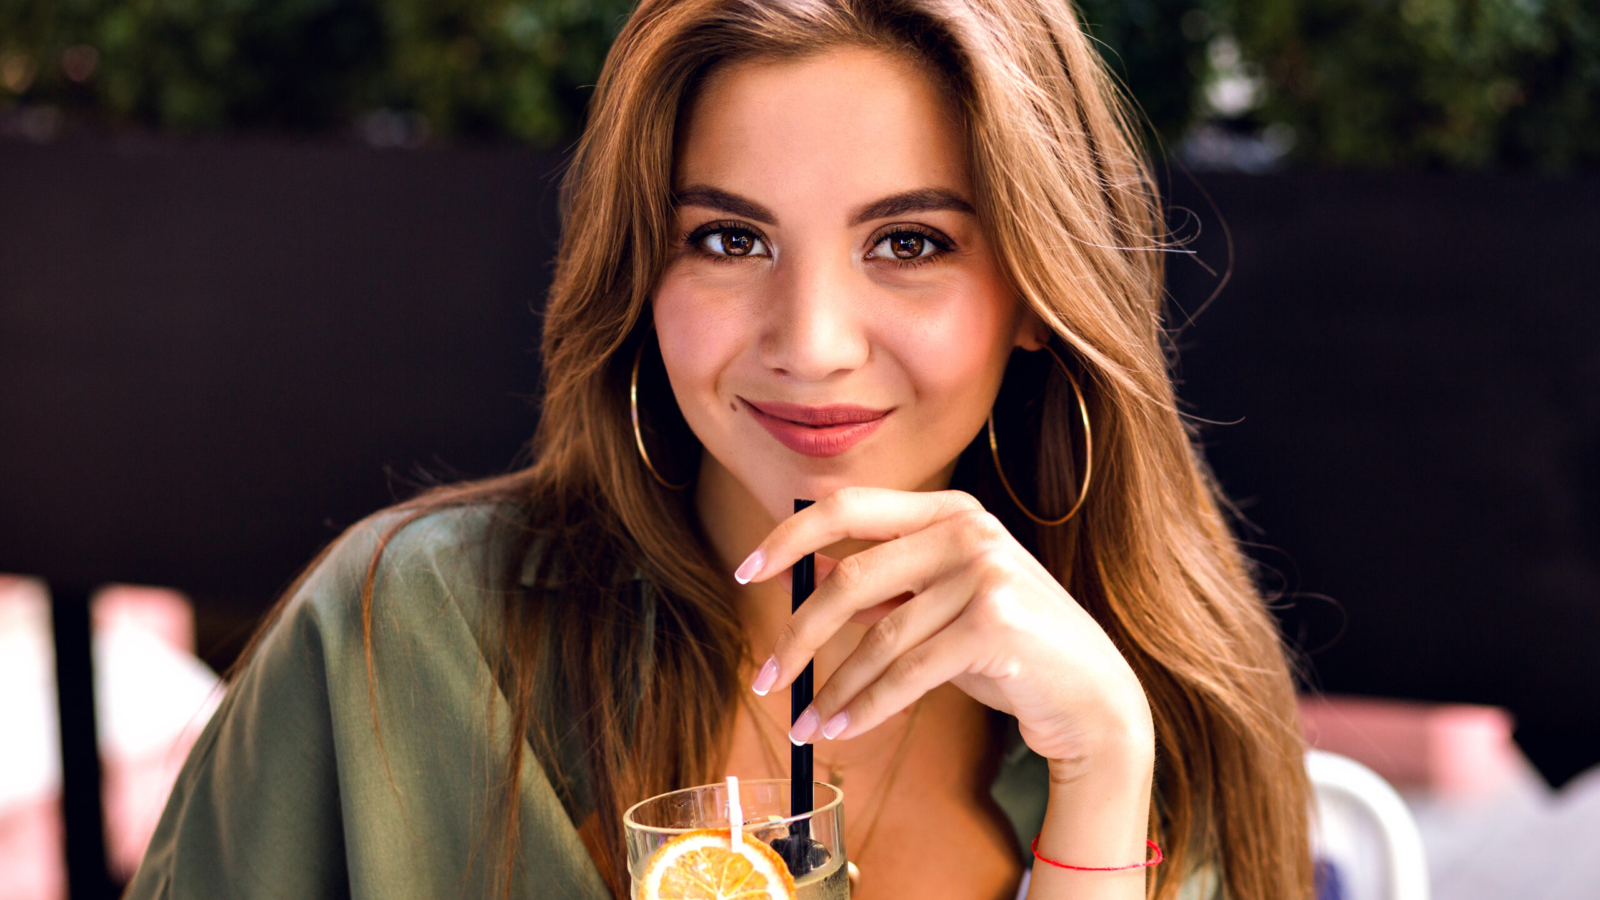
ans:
(776, 491)
(777, 486)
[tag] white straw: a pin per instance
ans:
(735, 815)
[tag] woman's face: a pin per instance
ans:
(832, 314)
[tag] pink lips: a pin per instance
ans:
(817, 430)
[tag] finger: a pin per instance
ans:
(860, 513)
(872, 614)
(824, 565)
(862, 581)
(894, 636)
(933, 662)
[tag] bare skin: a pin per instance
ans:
(831, 257)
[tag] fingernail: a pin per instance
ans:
(765, 677)
(836, 726)
(752, 564)
(804, 727)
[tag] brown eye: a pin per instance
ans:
(733, 242)
(906, 245)
(737, 244)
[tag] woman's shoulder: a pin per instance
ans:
(402, 564)
(402, 612)
(351, 752)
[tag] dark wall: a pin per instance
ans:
(212, 356)
(1413, 363)
(216, 356)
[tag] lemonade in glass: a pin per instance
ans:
(700, 865)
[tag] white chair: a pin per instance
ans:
(1362, 829)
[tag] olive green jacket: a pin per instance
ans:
(292, 792)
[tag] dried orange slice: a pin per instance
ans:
(701, 865)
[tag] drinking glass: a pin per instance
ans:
(650, 824)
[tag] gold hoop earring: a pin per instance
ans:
(1088, 453)
(638, 436)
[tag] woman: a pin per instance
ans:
(902, 258)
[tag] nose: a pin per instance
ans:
(814, 330)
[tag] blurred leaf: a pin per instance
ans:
(1153, 54)
(481, 67)
(1432, 83)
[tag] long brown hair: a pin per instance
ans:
(1073, 213)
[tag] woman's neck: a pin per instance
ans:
(735, 523)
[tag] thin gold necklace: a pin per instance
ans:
(775, 767)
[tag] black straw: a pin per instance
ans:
(800, 853)
(800, 772)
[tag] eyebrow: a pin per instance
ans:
(922, 200)
(722, 201)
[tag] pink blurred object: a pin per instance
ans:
(152, 698)
(140, 762)
(161, 612)
(135, 792)
(31, 864)
(1447, 749)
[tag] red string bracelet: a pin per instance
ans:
(1061, 865)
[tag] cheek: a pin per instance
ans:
(955, 360)
(699, 336)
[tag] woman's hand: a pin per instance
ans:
(982, 613)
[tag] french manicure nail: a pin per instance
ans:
(750, 567)
(836, 725)
(804, 727)
(766, 677)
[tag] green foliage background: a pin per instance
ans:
(515, 68)
(1417, 83)
(1445, 83)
